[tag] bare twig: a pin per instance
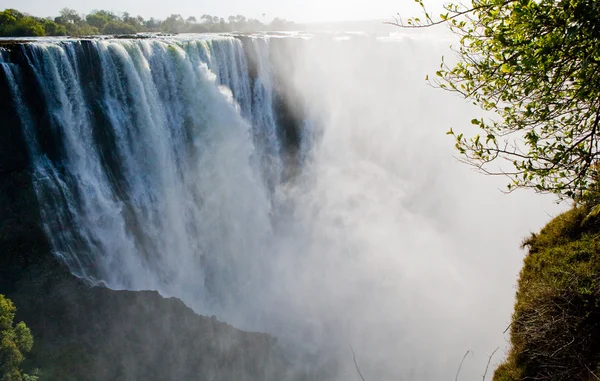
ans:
(355, 363)
(488, 363)
(461, 364)
(399, 23)
(592, 373)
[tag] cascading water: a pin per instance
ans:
(150, 152)
(164, 164)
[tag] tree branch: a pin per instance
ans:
(355, 363)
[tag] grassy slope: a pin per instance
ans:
(555, 332)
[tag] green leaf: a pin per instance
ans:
(535, 64)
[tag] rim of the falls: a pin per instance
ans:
(335, 34)
(167, 76)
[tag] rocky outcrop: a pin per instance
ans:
(555, 333)
(93, 333)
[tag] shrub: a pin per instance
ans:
(15, 342)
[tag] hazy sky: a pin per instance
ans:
(295, 10)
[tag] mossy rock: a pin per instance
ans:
(508, 372)
(555, 332)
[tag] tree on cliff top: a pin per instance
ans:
(14, 23)
(15, 341)
(536, 65)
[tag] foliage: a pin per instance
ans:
(15, 342)
(173, 23)
(16, 24)
(536, 65)
(74, 23)
(70, 16)
(117, 27)
(99, 19)
(555, 333)
(53, 29)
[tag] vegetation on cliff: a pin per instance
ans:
(17, 24)
(15, 342)
(536, 65)
(14, 23)
(555, 332)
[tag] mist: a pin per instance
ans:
(391, 245)
(354, 228)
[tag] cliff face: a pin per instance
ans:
(555, 331)
(90, 333)
(87, 333)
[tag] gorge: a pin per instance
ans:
(293, 184)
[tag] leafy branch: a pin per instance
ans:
(536, 65)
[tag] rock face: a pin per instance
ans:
(91, 333)
(555, 333)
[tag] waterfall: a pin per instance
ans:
(152, 147)
(12, 74)
(304, 187)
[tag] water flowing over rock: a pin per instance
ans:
(299, 186)
(125, 152)
(139, 149)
